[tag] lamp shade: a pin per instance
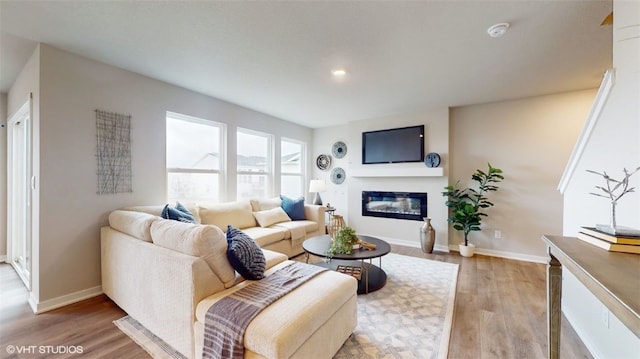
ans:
(317, 186)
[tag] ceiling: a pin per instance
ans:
(277, 57)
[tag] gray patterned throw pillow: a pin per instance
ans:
(244, 254)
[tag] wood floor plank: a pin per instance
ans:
(500, 312)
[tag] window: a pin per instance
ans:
(254, 164)
(195, 159)
(292, 166)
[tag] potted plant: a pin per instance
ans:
(343, 241)
(467, 204)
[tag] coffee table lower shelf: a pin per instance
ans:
(377, 277)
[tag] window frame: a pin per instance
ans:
(269, 172)
(221, 172)
(303, 164)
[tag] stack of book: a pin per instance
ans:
(610, 242)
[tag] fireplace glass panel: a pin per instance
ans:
(400, 205)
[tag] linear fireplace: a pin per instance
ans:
(401, 205)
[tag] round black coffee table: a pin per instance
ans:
(370, 277)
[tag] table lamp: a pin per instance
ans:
(317, 186)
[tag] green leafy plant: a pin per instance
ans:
(466, 204)
(343, 241)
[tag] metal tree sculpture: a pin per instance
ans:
(612, 186)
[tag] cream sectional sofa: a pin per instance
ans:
(284, 236)
(166, 274)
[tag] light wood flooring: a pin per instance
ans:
(500, 312)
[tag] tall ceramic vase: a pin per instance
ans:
(427, 236)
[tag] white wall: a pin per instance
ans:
(530, 140)
(614, 144)
(602, 333)
(323, 139)
(3, 176)
(615, 141)
(347, 196)
(71, 213)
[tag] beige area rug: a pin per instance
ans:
(410, 317)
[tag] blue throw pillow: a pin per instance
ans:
(293, 207)
(244, 254)
(180, 213)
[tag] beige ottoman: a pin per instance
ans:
(312, 321)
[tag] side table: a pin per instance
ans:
(330, 211)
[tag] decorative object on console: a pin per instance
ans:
(323, 162)
(432, 160)
(337, 175)
(618, 239)
(317, 186)
(293, 207)
(179, 213)
(427, 236)
(609, 245)
(467, 204)
(244, 254)
(613, 192)
(339, 149)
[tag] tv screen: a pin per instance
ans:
(395, 145)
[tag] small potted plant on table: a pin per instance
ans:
(467, 204)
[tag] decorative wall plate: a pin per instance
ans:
(432, 160)
(337, 175)
(339, 149)
(323, 162)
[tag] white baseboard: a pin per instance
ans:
(507, 255)
(486, 252)
(400, 242)
(40, 307)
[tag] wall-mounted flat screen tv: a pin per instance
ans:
(394, 145)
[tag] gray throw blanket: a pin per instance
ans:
(227, 320)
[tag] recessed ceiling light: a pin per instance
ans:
(338, 72)
(498, 30)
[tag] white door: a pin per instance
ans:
(19, 193)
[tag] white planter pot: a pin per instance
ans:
(467, 251)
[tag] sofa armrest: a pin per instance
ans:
(158, 287)
(315, 213)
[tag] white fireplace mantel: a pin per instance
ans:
(396, 172)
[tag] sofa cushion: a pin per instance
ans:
(293, 227)
(157, 210)
(207, 242)
(244, 254)
(293, 207)
(272, 216)
(135, 224)
(266, 236)
(310, 226)
(237, 214)
(265, 204)
(179, 213)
